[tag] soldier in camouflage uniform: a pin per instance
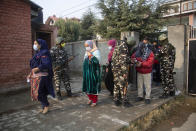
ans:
(167, 59)
(120, 61)
(60, 67)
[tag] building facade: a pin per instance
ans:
(21, 22)
(15, 42)
(181, 12)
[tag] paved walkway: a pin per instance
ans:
(72, 114)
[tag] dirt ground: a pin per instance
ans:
(178, 116)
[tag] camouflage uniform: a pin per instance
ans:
(60, 59)
(167, 60)
(120, 60)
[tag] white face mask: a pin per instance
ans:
(35, 47)
(109, 47)
(88, 48)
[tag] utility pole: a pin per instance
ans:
(180, 12)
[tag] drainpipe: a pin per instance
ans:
(180, 12)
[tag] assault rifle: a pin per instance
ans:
(70, 59)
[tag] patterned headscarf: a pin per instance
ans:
(94, 50)
(143, 51)
(90, 43)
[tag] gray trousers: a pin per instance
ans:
(144, 79)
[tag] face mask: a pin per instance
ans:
(88, 48)
(63, 44)
(109, 47)
(35, 47)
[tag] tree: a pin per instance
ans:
(69, 29)
(143, 16)
(87, 26)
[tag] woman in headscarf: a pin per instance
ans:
(91, 72)
(109, 80)
(41, 74)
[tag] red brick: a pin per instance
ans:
(15, 41)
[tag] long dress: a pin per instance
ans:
(91, 75)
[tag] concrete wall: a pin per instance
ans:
(177, 36)
(77, 48)
(131, 36)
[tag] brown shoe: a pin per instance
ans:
(45, 110)
(93, 104)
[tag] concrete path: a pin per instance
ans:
(73, 114)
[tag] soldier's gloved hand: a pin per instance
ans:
(125, 76)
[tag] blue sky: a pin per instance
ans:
(66, 8)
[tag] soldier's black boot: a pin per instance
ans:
(117, 103)
(69, 93)
(59, 95)
(127, 104)
(172, 93)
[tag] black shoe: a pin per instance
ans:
(163, 96)
(117, 103)
(147, 101)
(172, 93)
(139, 99)
(59, 96)
(69, 94)
(127, 104)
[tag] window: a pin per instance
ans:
(194, 4)
(176, 9)
(190, 6)
(185, 7)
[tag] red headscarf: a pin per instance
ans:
(111, 43)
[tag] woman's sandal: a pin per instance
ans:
(93, 104)
(89, 102)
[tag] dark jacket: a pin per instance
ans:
(42, 60)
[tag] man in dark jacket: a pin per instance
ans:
(143, 58)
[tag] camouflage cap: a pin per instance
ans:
(162, 37)
(59, 40)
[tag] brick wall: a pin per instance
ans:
(15, 42)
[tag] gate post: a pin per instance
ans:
(178, 36)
